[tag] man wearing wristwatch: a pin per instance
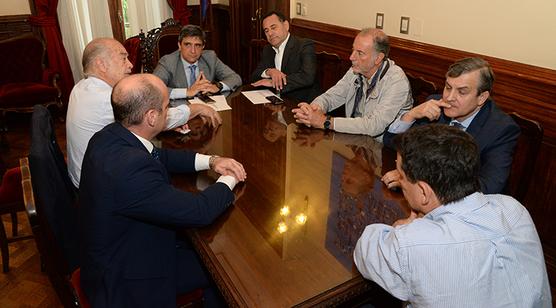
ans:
(374, 91)
(191, 70)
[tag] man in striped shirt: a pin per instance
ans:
(459, 247)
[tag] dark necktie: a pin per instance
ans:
(457, 124)
(192, 76)
(359, 93)
(155, 153)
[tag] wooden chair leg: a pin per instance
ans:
(14, 223)
(4, 248)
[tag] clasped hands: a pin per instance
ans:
(277, 80)
(202, 85)
(229, 166)
(310, 115)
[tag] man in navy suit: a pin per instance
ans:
(129, 211)
(466, 104)
(288, 64)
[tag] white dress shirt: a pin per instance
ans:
(278, 57)
(90, 110)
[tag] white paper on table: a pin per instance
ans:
(220, 103)
(258, 96)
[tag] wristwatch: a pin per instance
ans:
(327, 123)
(219, 85)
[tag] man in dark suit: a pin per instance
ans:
(129, 211)
(465, 103)
(191, 70)
(289, 63)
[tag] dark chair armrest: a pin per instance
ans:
(50, 76)
(28, 196)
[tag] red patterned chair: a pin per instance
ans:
(24, 81)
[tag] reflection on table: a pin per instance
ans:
(289, 238)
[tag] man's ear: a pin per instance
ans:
(428, 197)
(151, 117)
(379, 58)
(483, 97)
(287, 25)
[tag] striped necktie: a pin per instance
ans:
(192, 77)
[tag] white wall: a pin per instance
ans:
(521, 31)
(14, 7)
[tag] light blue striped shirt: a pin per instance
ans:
(481, 251)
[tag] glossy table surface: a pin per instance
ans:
(289, 238)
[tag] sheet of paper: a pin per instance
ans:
(258, 96)
(220, 103)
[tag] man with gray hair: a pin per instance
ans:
(104, 64)
(466, 103)
(374, 91)
(191, 70)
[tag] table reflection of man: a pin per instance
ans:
(276, 126)
(360, 198)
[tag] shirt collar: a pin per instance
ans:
(145, 142)
(465, 123)
(467, 204)
(187, 64)
(283, 45)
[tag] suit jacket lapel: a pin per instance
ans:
(285, 57)
(480, 119)
(180, 78)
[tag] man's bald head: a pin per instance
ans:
(106, 58)
(134, 95)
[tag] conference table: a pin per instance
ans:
(288, 240)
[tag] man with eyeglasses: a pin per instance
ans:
(466, 104)
(191, 70)
(374, 91)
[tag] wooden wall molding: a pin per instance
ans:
(526, 89)
(14, 25)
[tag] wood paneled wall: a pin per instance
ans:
(14, 25)
(526, 89)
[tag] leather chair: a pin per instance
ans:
(526, 152)
(159, 42)
(133, 46)
(11, 202)
(24, 81)
(420, 88)
(55, 221)
(330, 69)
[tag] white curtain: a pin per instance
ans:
(83, 20)
(80, 22)
(147, 14)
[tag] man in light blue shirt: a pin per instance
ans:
(458, 247)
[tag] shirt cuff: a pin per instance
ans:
(202, 162)
(264, 75)
(229, 180)
(178, 93)
(177, 116)
(224, 87)
(399, 126)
